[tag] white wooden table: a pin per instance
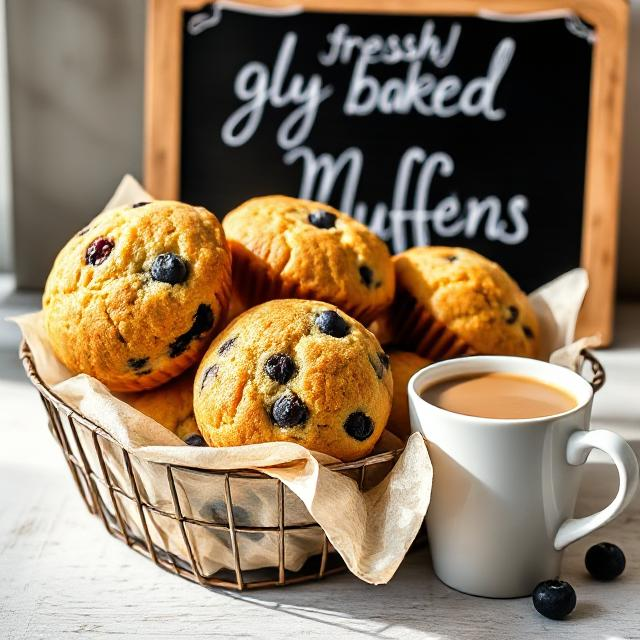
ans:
(61, 575)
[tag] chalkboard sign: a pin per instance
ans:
(494, 125)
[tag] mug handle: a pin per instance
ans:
(579, 445)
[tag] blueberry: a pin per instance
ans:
(226, 345)
(554, 599)
(331, 323)
(139, 204)
(605, 561)
(169, 268)
(380, 363)
(98, 251)
(366, 275)
(289, 410)
(202, 322)
(195, 440)
(359, 426)
(528, 331)
(209, 374)
(322, 219)
(512, 314)
(137, 363)
(280, 367)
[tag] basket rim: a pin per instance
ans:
(35, 379)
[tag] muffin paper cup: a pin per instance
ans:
(419, 331)
(255, 282)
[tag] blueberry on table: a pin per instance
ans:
(289, 410)
(322, 219)
(98, 251)
(332, 324)
(280, 367)
(605, 561)
(359, 426)
(195, 440)
(169, 268)
(554, 599)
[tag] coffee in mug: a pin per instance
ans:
(499, 395)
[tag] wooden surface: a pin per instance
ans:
(61, 575)
(163, 77)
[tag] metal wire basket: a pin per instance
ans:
(148, 505)
(142, 503)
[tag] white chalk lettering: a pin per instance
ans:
(447, 218)
(425, 93)
(393, 48)
(422, 85)
(257, 87)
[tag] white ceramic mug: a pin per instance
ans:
(504, 491)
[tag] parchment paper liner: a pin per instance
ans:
(371, 529)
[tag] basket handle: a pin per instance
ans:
(598, 376)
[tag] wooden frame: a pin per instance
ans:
(601, 198)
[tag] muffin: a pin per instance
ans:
(135, 298)
(453, 301)
(403, 366)
(171, 405)
(294, 370)
(290, 248)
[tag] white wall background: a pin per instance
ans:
(76, 71)
(6, 244)
(629, 245)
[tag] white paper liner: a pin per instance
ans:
(371, 529)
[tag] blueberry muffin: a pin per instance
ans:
(134, 298)
(294, 370)
(403, 366)
(453, 301)
(171, 405)
(290, 248)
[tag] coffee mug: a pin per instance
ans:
(504, 490)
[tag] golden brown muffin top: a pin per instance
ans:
(294, 370)
(473, 296)
(137, 288)
(333, 257)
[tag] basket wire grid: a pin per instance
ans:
(105, 497)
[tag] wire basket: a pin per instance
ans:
(142, 503)
(147, 504)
